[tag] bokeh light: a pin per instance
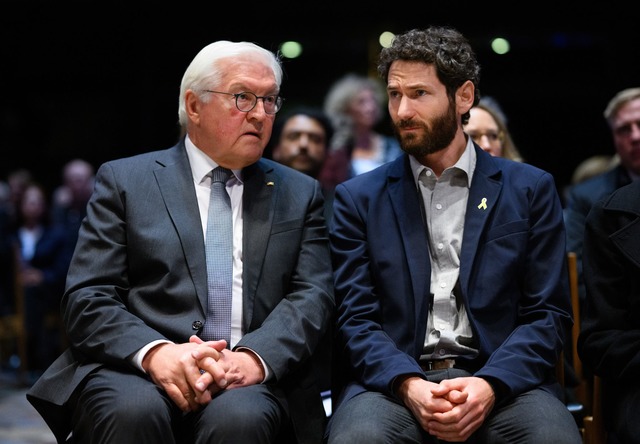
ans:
(291, 49)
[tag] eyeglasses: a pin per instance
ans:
(246, 101)
(492, 136)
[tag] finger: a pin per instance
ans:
(203, 381)
(196, 339)
(191, 400)
(178, 398)
(214, 373)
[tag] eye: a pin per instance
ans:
(243, 96)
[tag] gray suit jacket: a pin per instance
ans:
(139, 275)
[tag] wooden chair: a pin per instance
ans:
(589, 389)
(583, 390)
(594, 432)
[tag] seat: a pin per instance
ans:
(594, 432)
(578, 406)
(589, 389)
(583, 389)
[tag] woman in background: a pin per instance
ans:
(356, 104)
(488, 128)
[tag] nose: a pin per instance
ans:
(405, 109)
(484, 141)
(303, 140)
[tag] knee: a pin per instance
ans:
(354, 433)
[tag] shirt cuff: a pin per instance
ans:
(138, 357)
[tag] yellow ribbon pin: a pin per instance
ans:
(483, 204)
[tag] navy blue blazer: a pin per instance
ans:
(513, 277)
(139, 275)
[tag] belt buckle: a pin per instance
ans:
(440, 364)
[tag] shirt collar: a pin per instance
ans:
(466, 163)
(201, 164)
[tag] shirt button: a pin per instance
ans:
(438, 206)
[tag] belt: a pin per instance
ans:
(437, 364)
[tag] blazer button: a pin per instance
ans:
(197, 325)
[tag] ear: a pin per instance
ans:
(192, 106)
(465, 96)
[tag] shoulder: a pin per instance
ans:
(510, 172)
(625, 199)
(596, 186)
(131, 167)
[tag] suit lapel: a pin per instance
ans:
(407, 207)
(259, 197)
(483, 196)
(176, 186)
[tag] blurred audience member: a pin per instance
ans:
(609, 344)
(69, 204)
(300, 140)
(45, 259)
(590, 167)
(487, 127)
(18, 180)
(623, 117)
(356, 105)
(5, 194)
(6, 264)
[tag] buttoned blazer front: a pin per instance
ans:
(513, 277)
(139, 275)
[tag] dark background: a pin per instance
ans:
(101, 81)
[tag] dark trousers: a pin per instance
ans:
(533, 417)
(116, 407)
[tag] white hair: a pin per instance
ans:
(203, 73)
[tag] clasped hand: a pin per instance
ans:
(451, 410)
(193, 372)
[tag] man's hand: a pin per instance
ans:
(472, 399)
(451, 410)
(416, 393)
(173, 368)
(242, 368)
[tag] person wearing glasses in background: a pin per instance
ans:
(487, 127)
(136, 302)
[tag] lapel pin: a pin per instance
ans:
(270, 184)
(483, 204)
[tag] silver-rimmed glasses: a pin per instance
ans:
(246, 101)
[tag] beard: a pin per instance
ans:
(435, 137)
